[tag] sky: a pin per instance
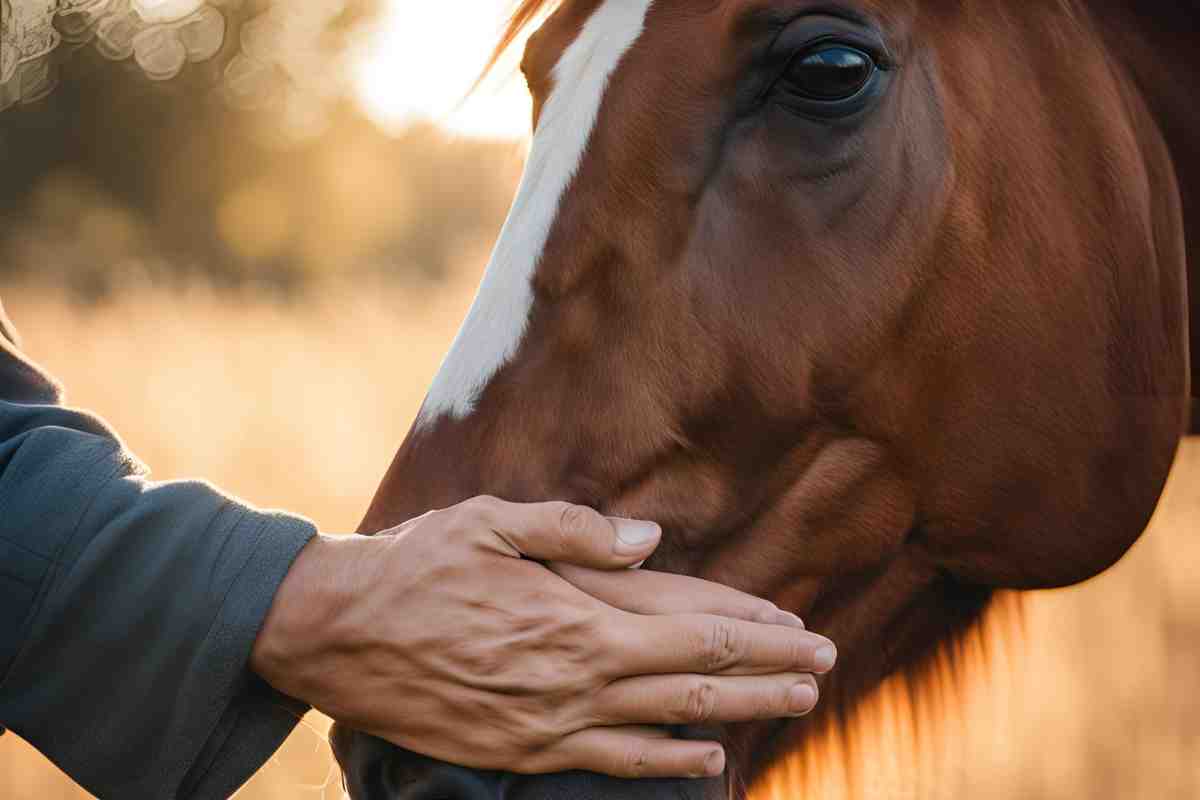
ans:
(422, 59)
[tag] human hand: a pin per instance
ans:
(446, 638)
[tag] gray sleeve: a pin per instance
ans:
(127, 613)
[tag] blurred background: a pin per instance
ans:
(245, 234)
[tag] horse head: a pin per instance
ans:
(876, 307)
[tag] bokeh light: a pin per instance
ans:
(417, 61)
(160, 35)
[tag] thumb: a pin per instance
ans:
(577, 535)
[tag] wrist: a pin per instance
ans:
(302, 619)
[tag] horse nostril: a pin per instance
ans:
(445, 782)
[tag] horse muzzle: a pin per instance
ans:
(376, 770)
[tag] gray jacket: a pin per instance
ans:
(128, 608)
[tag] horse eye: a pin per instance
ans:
(831, 72)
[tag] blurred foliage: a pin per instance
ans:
(249, 170)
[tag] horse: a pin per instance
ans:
(880, 307)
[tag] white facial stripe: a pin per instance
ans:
(496, 322)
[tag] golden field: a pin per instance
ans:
(1093, 693)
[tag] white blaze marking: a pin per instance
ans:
(496, 322)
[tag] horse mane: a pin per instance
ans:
(911, 735)
(524, 13)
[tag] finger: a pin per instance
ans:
(573, 534)
(701, 699)
(631, 752)
(709, 645)
(645, 592)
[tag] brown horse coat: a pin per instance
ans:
(872, 357)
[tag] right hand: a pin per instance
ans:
(446, 638)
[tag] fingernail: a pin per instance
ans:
(824, 658)
(802, 698)
(633, 536)
(714, 763)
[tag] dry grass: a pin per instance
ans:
(302, 407)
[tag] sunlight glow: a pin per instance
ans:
(421, 60)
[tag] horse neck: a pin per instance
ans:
(1155, 40)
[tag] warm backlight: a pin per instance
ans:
(422, 59)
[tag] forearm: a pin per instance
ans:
(125, 658)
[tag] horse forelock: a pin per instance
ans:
(523, 16)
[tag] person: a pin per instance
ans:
(162, 639)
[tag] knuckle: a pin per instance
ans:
(452, 520)
(539, 733)
(774, 704)
(582, 712)
(582, 683)
(801, 651)
(561, 686)
(462, 519)
(635, 761)
(699, 702)
(573, 520)
(484, 508)
(764, 612)
(531, 729)
(719, 647)
(605, 642)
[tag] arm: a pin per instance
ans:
(128, 609)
